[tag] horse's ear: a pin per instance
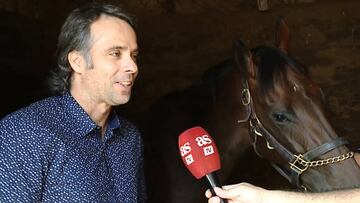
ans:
(242, 57)
(282, 35)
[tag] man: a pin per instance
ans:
(73, 147)
(247, 193)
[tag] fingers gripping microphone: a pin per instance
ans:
(200, 155)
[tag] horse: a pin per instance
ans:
(261, 97)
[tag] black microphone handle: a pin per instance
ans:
(213, 181)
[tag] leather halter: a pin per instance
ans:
(295, 168)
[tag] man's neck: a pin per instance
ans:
(98, 112)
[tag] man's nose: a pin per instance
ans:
(130, 65)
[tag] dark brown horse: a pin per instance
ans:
(261, 97)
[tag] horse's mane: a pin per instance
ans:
(270, 61)
(214, 74)
(272, 65)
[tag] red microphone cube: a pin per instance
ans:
(198, 152)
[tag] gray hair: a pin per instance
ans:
(75, 35)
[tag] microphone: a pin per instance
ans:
(200, 156)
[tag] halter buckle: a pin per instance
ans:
(245, 94)
(297, 165)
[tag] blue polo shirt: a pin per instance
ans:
(51, 151)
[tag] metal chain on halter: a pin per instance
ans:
(323, 161)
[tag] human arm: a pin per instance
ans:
(247, 193)
(20, 168)
(141, 175)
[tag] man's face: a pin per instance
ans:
(113, 50)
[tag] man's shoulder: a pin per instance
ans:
(33, 127)
(128, 125)
(37, 114)
(129, 129)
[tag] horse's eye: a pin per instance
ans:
(280, 117)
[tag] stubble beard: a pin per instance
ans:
(120, 98)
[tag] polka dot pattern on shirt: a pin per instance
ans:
(51, 151)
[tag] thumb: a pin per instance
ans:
(234, 191)
(225, 194)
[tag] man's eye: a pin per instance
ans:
(115, 54)
(134, 57)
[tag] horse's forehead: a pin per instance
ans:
(306, 85)
(291, 88)
(299, 80)
(295, 87)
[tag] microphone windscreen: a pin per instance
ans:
(198, 152)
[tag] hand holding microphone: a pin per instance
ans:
(200, 156)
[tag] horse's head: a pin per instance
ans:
(287, 121)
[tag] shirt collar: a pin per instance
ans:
(80, 120)
(113, 121)
(76, 116)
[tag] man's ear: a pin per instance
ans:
(77, 61)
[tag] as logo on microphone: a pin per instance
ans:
(208, 150)
(205, 140)
(189, 159)
(185, 149)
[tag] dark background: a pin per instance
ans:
(179, 39)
